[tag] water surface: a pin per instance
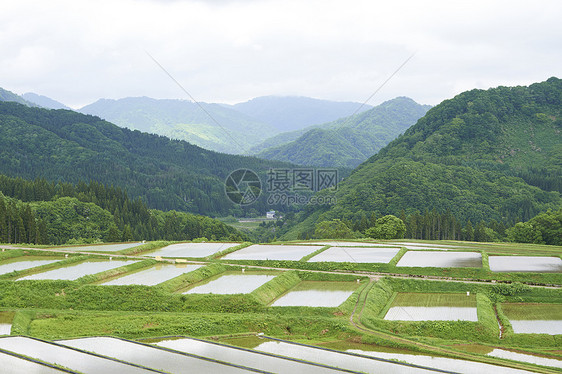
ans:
(15, 365)
(317, 294)
(525, 264)
(436, 313)
(24, 263)
(155, 275)
(502, 353)
(75, 360)
(354, 254)
(100, 247)
(272, 252)
(536, 326)
(440, 259)
(148, 356)
(73, 272)
(229, 284)
(196, 250)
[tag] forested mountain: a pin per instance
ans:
(288, 113)
(349, 141)
(225, 130)
(6, 95)
(483, 155)
(42, 212)
(62, 145)
(43, 101)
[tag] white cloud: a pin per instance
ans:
(77, 51)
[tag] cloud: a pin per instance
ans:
(229, 51)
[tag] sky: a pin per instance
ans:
(230, 51)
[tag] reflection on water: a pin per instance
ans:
(272, 252)
(317, 294)
(196, 250)
(73, 272)
(232, 284)
(154, 275)
(440, 259)
(437, 313)
(535, 326)
(526, 358)
(24, 264)
(525, 264)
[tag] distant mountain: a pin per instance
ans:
(6, 95)
(484, 155)
(225, 130)
(44, 101)
(288, 113)
(62, 145)
(349, 141)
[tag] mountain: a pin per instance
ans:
(6, 95)
(43, 101)
(288, 113)
(484, 155)
(349, 141)
(215, 127)
(62, 145)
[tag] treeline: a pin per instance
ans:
(43, 212)
(62, 145)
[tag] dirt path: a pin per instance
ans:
(355, 320)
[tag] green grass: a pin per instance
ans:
(525, 311)
(6, 317)
(434, 299)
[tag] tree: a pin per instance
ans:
(387, 227)
(334, 229)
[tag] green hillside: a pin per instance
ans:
(482, 156)
(225, 130)
(62, 145)
(349, 141)
(6, 95)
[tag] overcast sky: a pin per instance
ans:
(79, 51)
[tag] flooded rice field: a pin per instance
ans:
(231, 283)
(351, 244)
(101, 247)
(74, 272)
(440, 259)
(257, 360)
(152, 357)
(436, 313)
(56, 354)
(157, 274)
(356, 254)
(502, 353)
(534, 318)
(272, 252)
(525, 264)
(196, 250)
(24, 263)
(535, 326)
(317, 294)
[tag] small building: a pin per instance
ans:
(270, 214)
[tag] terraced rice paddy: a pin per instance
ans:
(55, 354)
(155, 275)
(525, 264)
(24, 263)
(149, 356)
(440, 259)
(14, 364)
(101, 247)
(351, 244)
(502, 353)
(527, 318)
(74, 272)
(268, 362)
(231, 283)
(317, 294)
(355, 254)
(195, 250)
(432, 307)
(272, 252)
